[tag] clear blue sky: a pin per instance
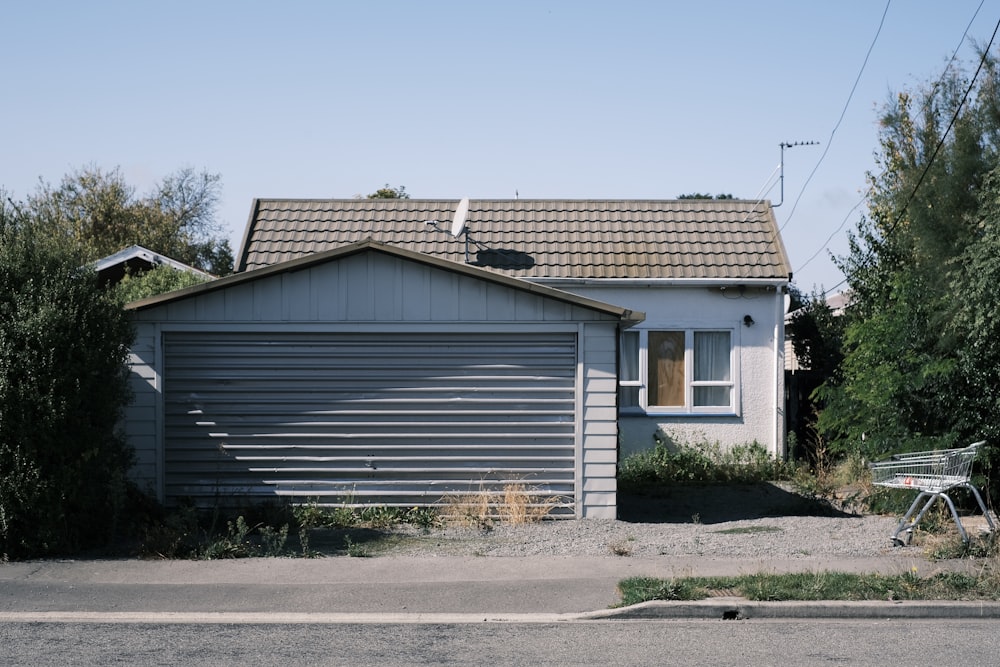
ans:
(561, 99)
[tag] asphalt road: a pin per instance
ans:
(753, 642)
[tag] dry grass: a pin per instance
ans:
(516, 503)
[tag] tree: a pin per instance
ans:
(64, 343)
(910, 344)
(102, 214)
(158, 280)
(389, 192)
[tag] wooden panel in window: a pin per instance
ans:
(666, 368)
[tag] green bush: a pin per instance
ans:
(158, 280)
(63, 384)
(666, 464)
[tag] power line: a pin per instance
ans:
(937, 148)
(843, 112)
(937, 84)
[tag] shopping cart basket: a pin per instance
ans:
(934, 474)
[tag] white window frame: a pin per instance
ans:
(641, 382)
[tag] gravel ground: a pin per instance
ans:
(754, 522)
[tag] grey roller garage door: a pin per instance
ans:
(402, 419)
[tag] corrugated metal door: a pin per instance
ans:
(399, 419)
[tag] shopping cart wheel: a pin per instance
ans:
(902, 539)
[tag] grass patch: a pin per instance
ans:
(814, 586)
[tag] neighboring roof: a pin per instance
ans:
(372, 246)
(136, 258)
(529, 238)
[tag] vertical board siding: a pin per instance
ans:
(597, 496)
(400, 419)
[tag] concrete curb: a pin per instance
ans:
(741, 608)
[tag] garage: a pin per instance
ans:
(391, 419)
(372, 375)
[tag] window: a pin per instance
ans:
(678, 371)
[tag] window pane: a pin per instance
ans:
(712, 396)
(666, 368)
(711, 356)
(630, 356)
(628, 397)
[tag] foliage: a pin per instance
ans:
(669, 463)
(700, 195)
(158, 280)
(816, 334)
(63, 384)
(389, 192)
(919, 358)
(101, 214)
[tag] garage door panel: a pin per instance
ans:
(384, 419)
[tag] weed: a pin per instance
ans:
(234, 544)
(342, 516)
(620, 548)
(951, 546)
(515, 504)
(311, 515)
(273, 540)
(381, 517)
(422, 517)
(354, 549)
(175, 536)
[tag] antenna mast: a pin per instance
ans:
(781, 172)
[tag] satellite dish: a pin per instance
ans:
(461, 213)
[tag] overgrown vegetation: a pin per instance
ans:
(669, 463)
(63, 385)
(983, 585)
(919, 364)
(158, 280)
(311, 529)
(277, 531)
(518, 503)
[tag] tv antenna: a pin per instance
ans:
(781, 166)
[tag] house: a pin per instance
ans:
(135, 259)
(392, 351)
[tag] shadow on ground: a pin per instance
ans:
(719, 503)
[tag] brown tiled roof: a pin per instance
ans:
(534, 238)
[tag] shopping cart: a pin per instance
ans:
(934, 474)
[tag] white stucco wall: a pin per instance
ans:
(760, 411)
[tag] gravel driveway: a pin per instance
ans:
(716, 521)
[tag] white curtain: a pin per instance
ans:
(712, 364)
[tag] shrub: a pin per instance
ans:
(699, 463)
(63, 384)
